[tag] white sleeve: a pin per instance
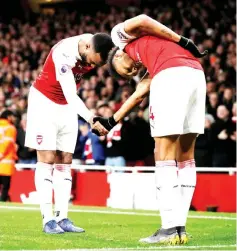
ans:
(63, 67)
(119, 37)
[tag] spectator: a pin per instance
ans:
(211, 87)
(25, 155)
(114, 147)
(126, 92)
(221, 132)
(93, 152)
(233, 137)
(115, 142)
(8, 150)
(203, 147)
(139, 145)
(234, 113)
(227, 99)
(213, 104)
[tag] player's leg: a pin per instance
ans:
(167, 185)
(193, 125)
(44, 187)
(41, 135)
(44, 184)
(62, 182)
(62, 179)
(167, 190)
(187, 180)
(167, 114)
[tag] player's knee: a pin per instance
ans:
(164, 156)
(185, 156)
(165, 148)
(47, 157)
(67, 158)
(186, 147)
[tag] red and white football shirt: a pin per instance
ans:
(63, 61)
(155, 53)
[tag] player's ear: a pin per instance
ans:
(134, 68)
(133, 72)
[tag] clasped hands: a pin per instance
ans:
(101, 126)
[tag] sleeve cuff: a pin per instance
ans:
(87, 116)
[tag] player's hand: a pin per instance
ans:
(97, 127)
(189, 45)
(108, 123)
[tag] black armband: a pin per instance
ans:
(183, 42)
(112, 121)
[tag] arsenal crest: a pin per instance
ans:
(39, 139)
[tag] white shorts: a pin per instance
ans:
(177, 102)
(50, 126)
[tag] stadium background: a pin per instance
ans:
(31, 28)
(28, 29)
(26, 40)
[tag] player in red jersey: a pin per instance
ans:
(52, 124)
(177, 110)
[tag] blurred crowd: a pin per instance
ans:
(24, 47)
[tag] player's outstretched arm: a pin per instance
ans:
(143, 25)
(136, 98)
(68, 85)
(142, 90)
(63, 67)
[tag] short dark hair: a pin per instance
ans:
(5, 114)
(103, 105)
(111, 68)
(102, 43)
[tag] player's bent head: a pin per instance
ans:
(102, 44)
(121, 65)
